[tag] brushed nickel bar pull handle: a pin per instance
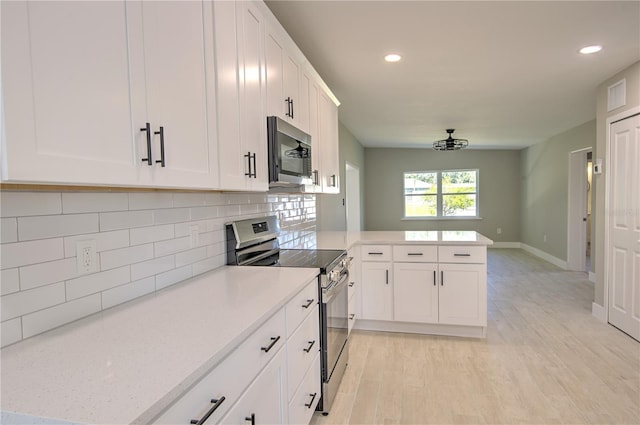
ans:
(161, 133)
(462, 255)
(387, 276)
(441, 278)
(374, 253)
(434, 278)
(149, 158)
(415, 253)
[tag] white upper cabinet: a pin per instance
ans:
(287, 97)
(242, 122)
(65, 87)
(172, 71)
(327, 144)
(81, 79)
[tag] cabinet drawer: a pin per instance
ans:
(375, 252)
(302, 348)
(301, 305)
(415, 253)
(305, 400)
(230, 377)
(462, 254)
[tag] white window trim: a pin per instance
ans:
(439, 195)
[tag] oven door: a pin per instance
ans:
(334, 323)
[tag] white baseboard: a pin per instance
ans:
(592, 277)
(545, 256)
(598, 312)
(505, 245)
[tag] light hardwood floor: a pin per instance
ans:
(546, 360)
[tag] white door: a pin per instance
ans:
(577, 215)
(624, 226)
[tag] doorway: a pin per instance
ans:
(579, 211)
(352, 195)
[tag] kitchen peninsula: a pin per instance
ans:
(428, 282)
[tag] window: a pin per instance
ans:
(447, 193)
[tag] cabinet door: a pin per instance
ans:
(415, 292)
(314, 131)
(274, 52)
(463, 294)
(171, 56)
(328, 135)
(240, 93)
(264, 401)
(377, 295)
(65, 88)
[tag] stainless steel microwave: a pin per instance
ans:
(289, 154)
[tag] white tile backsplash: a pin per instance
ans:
(51, 226)
(143, 243)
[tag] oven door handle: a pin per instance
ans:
(332, 290)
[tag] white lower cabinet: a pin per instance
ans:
(425, 285)
(264, 401)
(354, 287)
(270, 378)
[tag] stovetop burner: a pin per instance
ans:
(323, 259)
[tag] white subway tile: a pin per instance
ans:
(172, 246)
(184, 229)
(50, 226)
(173, 276)
(32, 252)
(152, 234)
(216, 249)
(208, 238)
(249, 209)
(173, 215)
(11, 331)
(125, 220)
(8, 230)
(44, 320)
(191, 256)
(46, 273)
(90, 284)
(201, 213)
(105, 241)
(257, 198)
(9, 281)
(189, 199)
(215, 199)
(73, 203)
(20, 204)
(229, 210)
(236, 198)
(24, 302)
(149, 201)
(123, 256)
(127, 292)
(207, 265)
(152, 267)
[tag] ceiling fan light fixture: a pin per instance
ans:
(450, 144)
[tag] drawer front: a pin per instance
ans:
(301, 305)
(415, 253)
(375, 252)
(462, 254)
(230, 377)
(302, 348)
(303, 403)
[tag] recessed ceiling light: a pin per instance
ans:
(392, 57)
(590, 49)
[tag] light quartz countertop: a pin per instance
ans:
(126, 364)
(345, 240)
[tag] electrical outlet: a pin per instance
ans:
(86, 259)
(499, 230)
(195, 236)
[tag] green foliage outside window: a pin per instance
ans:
(455, 191)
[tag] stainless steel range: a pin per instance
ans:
(254, 242)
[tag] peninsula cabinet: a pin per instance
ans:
(109, 93)
(433, 289)
(242, 123)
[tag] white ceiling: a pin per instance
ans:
(504, 74)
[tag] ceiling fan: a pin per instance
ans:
(450, 144)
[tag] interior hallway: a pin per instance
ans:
(546, 360)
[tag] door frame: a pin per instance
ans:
(352, 186)
(607, 194)
(577, 210)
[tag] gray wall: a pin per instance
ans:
(331, 211)
(545, 188)
(499, 191)
(632, 75)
